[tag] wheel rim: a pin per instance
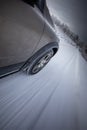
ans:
(42, 62)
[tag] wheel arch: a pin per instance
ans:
(43, 50)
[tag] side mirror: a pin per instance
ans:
(30, 2)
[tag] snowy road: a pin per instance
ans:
(54, 99)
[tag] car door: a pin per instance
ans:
(21, 27)
(49, 35)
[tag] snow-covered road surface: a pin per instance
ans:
(53, 99)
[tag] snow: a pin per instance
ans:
(53, 99)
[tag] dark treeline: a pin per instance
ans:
(67, 31)
(82, 46)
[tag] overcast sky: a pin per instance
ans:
(73, 13)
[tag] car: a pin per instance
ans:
(27, 36)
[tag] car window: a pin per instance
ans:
(40, 4)
(30, 2)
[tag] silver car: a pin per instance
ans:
(27, 37)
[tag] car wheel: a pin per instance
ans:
(40, 62)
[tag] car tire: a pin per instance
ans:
(39, 62)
